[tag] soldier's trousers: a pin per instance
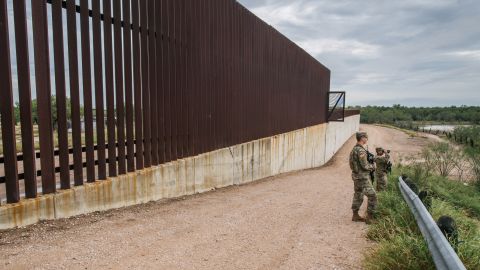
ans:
(363, 187)
(382, 181)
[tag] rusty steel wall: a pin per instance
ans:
(173, 79)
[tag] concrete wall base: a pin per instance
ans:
(240, 164)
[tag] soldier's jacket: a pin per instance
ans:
(381, 162)
(359, 163)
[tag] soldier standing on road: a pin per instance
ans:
(381, 162)
(361, 179)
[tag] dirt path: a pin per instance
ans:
(295, 221)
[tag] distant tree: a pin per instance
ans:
(53, 108)
(398, 113)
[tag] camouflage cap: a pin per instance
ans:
(361, 134)
(379, 149)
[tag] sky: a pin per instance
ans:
(409, 52)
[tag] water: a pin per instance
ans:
(448, 128)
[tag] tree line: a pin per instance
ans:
(16, 108)
(399, 113)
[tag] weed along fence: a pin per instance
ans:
(110, 103)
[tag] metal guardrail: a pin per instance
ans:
(442, 252)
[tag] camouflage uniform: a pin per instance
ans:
(361, 179)
(381, 171)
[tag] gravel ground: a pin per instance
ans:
(294, 221)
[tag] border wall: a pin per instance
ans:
(124, 85)
(236, 165)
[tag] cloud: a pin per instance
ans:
(351, 47)
(296, 12)
(475, 54)
(369, 78)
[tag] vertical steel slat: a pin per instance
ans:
(153, 82)
(61, 96)
(199, 69)
(25, 98)
(183, 80)
(137, 79)
(109, 91)
(119, 95)
(198, 78)
(178, 79)
(166, 80)
(7, 112)
(236, 61)
(128, 85)
(42, 77)
(159, 75)
(87, 89)
(243, 71)
(215, 72)
(208, 76)
(188, 18)
(220, 75)
(212, 76)
(165, 117)
(224, 22)
(74, 93)
(173, 81)
(99, 98)
(192, 75)
(203, 124)
(145, 84)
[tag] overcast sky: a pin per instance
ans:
(410, 52)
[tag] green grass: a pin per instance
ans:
(400, 243)
(453, 192)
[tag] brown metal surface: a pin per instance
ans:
(61, 96)
(172, 66)
(166, 80)
(6, 110)
(152, 65)
(145, 84)
(119, 95)
(42, 77)
(159, 76)
(128, 86)
(25, 97)
(74, 93)
(137, 85)
(99, 97)
(87, 89)
(110, 94)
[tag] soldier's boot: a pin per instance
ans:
(369, 218)
(357, 218)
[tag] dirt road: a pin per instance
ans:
(295, 221)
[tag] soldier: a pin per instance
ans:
(360, 174)
(381, 162)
